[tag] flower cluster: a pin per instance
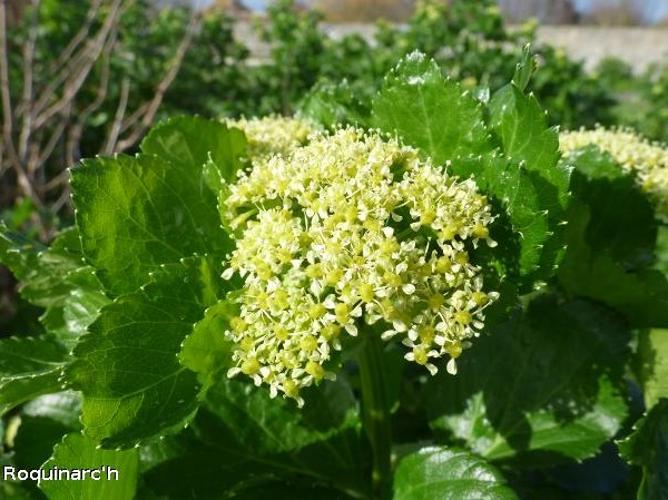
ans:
(346, 231)
(273, 135)
(648, 161)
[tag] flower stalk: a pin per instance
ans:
(376, 415)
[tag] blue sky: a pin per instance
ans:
(651, 9)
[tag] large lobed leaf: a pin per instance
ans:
(247, 444)
(647, 447)
(547, 384)
(439, 473)
(44, 422)
(127, 366)
(653, 370)
(75, 452)
(135, 213)
(191, 142)
(611, 240)
(206, 351)
(57, 280)
(29, 367)
(429, 111)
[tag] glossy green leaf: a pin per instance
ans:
(548, 381)
(191, 142)
(248, 443)
(520, 125)
(29, 367)
(77, 452)
(647, 447)
(330, 104)
(128, 368)
(611, 237)
(136, 213)
(56, 279)
(429, 111)
(206, 351)
(662, 250)
(516, 190)
(268, 425)
(653, 358)
(525, 69)
(44, 422)
(439, 473)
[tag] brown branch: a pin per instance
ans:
(55, 182)
(65, 61)
(115, 130)
(88, 59)
(8, 120)
(136, 115)
(46, 152)
(73, 143)
(80, 36)
(28, 56)
(162, 87)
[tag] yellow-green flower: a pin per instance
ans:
(346, 231)
(646, 160)
(273, 135)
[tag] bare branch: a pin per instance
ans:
(80, 36)
(28, 56)
(64, 63)
(76, 130)
(8, 120)
(136, 115)
(114, 131)
(72, 86)
(46, 152)
(162, 87)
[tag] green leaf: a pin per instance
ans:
(430, 112)
(265, 425)
(206, 351)
(548, 381)
(62, 407)
(247, 442)
(76, 452)
(79, 308)
(647, 447)
(127, 367)
(29, 367)
(517, 191)
(662, 250)
(331, 104)
(190, 142)
(611, 238)
(521, 127)
(135, 213)
(44, 422)
(56, 279)
(653, 357)
(442, 473)
(288, 490)
(525, 69)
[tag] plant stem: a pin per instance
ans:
(376, 415)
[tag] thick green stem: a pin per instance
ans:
(376, 415)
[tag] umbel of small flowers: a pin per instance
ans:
(351, 230)
(646, 160)
(270, 135)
